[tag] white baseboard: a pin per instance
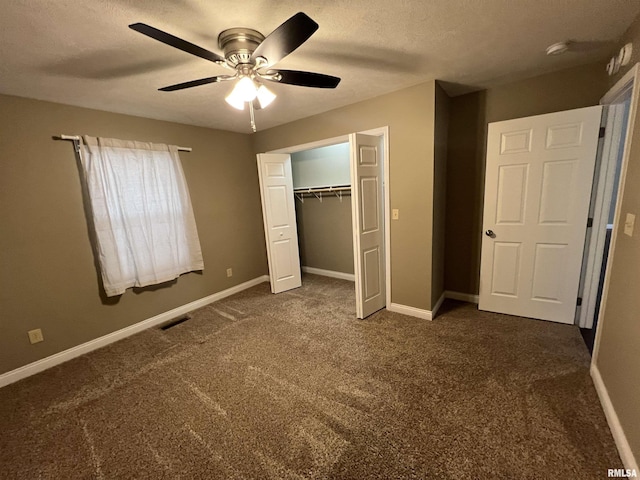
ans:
(417, 312)
(329, 273)
(463, 297)
(411, 311)
(61, 357)
(437, 306)
(624, 449)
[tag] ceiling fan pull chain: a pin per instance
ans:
(253, 118)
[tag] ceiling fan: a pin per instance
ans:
(250, 55)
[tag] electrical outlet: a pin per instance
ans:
(35, 336)
(229, 272)
(395, 214)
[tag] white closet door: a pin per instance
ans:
(368, 223)
(279, 215)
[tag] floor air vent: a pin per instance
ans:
(174, 322)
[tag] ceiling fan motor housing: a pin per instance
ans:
(239, 44)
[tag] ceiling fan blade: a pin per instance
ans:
(285, 39)
(176, 42)
(306, 79)
(192, 83)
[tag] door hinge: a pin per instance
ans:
(589, 222)
(601, 133)
(579, 301)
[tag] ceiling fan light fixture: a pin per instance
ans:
(265, 96)
(235, 101)
(244, 91)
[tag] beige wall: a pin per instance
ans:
(465, 175)
(409, 113)
(553, 92)
(325, 233)
(442, 117)
(564, 90)
(48, 279)
(618, 356)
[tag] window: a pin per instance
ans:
(144, 224)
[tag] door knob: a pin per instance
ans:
(489, 233)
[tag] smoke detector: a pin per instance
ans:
(621, 59)
(557, 48)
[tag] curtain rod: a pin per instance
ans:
(76, 138)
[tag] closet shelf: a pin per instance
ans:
(337, 190)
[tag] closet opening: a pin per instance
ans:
(322, 190)
(325, 208)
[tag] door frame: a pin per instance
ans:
(601, 199)
(629, 82)
(376, 132)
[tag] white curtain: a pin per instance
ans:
(145, 228)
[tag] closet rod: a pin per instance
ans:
(321, 190)
(76, 138)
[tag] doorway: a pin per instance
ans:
(367, 177)
(322, 190)
(604, 203)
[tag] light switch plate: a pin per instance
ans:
(395, 214)
(629, 223)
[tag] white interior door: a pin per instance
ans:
(279, 215)
(368, 222)
(539, 173)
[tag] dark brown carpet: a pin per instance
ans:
(291, 386)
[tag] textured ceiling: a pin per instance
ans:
(81, 52)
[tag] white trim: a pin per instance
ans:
(624, 90)
(386, 179)
(61, 357)
(437, 306)
(624, 449)
(311, 145)
(376, 132)
(621, 86)
(601, 198)
(330, 273)
(463, 297)
(411, 311)
(431, 314)
(629, 81)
